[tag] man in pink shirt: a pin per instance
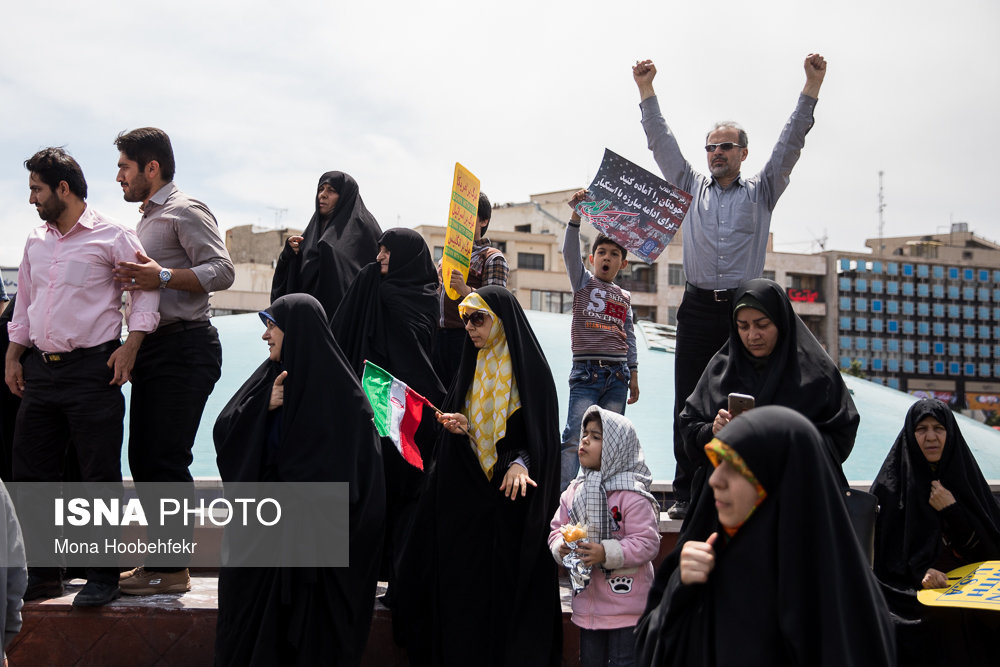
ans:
(66, 360)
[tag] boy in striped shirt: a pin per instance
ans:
(605, 366)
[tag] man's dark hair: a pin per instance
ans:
(54, 165)
(145, 145)
(607, 240)
(485, 211)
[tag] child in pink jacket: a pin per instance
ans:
(611, 496)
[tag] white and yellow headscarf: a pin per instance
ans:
(493, 397)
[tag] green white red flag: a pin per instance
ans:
(397, 408)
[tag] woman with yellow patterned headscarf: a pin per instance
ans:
(491, 489)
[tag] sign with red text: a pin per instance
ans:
(462, 220)
(975, 586)
(637, 209)
(803, 295)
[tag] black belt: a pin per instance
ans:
(177, 327)
(721, 295)
(78, 353)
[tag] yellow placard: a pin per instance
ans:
(462, 220)
(977, 586)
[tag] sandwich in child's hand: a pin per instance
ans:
(572, 532)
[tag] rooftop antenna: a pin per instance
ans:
(881, 218)
(279, 213)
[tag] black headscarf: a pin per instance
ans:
(798, 374)
(467, 531)
(390, 320)
(333, 249)
(324, 433)
(908, 529)
(792, 587)
(9, 403)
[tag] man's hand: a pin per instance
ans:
(815, 67)
(698, 560)
(940, 496)
(633, 387)
(458, 284)
(278, 392)
(643, 72)
(13, 372)
(143, 274)
(122, 360)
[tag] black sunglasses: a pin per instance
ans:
(477, 318)
(727, 146)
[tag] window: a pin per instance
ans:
(968, 312)
(953, 273)
(968, 293)
(894, 382)
(438, 252)
(953, 291)
(969, 331)
(984, 276)
(907, 289)
(923, 309)
(938, 291)
(937, 328)
(845, 342)
(845, 264)
(892, 307)
(908, 308)
(923, 347)
(892, 326)
(954, 368)
(876, 344)
(672, 315)
(877, 286)
(984, 331)
(908, 327)
(938, 368)
(984, 294)
(984, 370)
(845, 284)
(892, 345)
(954, 311)
(877, 326)
(876, 305)
(970, 369)
(876, 267)
(908, 366)
(523, 229)
(967, 275)
(984, 313)
(675, 274)
(552, 302)
(924, 328)
(970, 349)
(861, 304)
(861, 285)
(923, 289)
(845, 323)
(893, 365)
(938, 271)
(876, 364)
(907, 269)
(845, 303)
(923, 271)
(861, 343)
(845, 362)
(892, 269)
(938, 310)
(984, 351)
(531, 260)
(767, 274)
(861, 324)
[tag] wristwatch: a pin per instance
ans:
(165, 277)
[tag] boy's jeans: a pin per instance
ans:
(594, 382)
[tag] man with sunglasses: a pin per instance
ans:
(724, 234)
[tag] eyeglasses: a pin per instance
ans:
(727, 146)
(477, 318)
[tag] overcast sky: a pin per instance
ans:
(260, 98)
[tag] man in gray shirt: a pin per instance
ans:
(181, 361)
(725, 231)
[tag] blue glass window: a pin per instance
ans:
(996, 295)
(877, 286)
(968, 312)
(876, 267)
(984, 331)
(996, 313)
(984, 276)
(953, 272)
(937, 291)
(953, 310)
(952, 291)
(984, 351)
(892, 307)
(968, 293)
(861, 285)
(954, 330)
(892, 345)
(938, 310)
(893, 365)
(924, 347)
(908, 308)
(908, 327)
(984, 294)
(861, 343)
(907, 269)
(984, 370)
(845, 342)
(845, 264)
(876, 305)
(892, 326)
(954, 349)
(892, 269)
(969, 350)
(861, 304)
(845, 323)
(969, 331)
(907, 289)
(923, 309)
(845, 303)
(861, 324)
(938, 348)
(845, 284)
(938, 271)
(996, 331)
(876, 364)
(894, 383)
(970, 369)
(954, 368)
(845, 362)
(876, 344)
(908, 346)
(939, 368)
(864, 363)
(996, 370)
(923, 289)
(996, 351)
(924, 366)
(923, 270)
(984, 313)
(908, 366)
(938, 328)
(967, 275)
(892, 287)
(996, 276)
(877, 325)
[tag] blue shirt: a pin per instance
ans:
(725, 230)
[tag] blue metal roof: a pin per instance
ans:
(882, 409)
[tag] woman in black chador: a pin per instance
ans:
(936, 514)
(477, 585)
(388, 317)
(341, 237)
(302, 417)
(772, 356)
(768, 570)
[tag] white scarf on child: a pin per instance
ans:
(623, 468)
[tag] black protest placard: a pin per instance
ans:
(637, 209)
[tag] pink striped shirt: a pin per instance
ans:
(66, 296)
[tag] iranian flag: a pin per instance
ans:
(398, 410)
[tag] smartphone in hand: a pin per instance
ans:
(739, 403)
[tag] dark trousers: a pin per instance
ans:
(702, 328)
(65, 402)
(173, 377)
(447, 353)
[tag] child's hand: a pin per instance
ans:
(563, 550)
(577, 197)
(633, 388)
(698, 560)
(591, 553)
(457, 284)
(516, 479)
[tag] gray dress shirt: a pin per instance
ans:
(181, 233)
(725, 230)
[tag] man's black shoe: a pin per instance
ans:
(678, 510)
(97, 594)
(43, 587)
